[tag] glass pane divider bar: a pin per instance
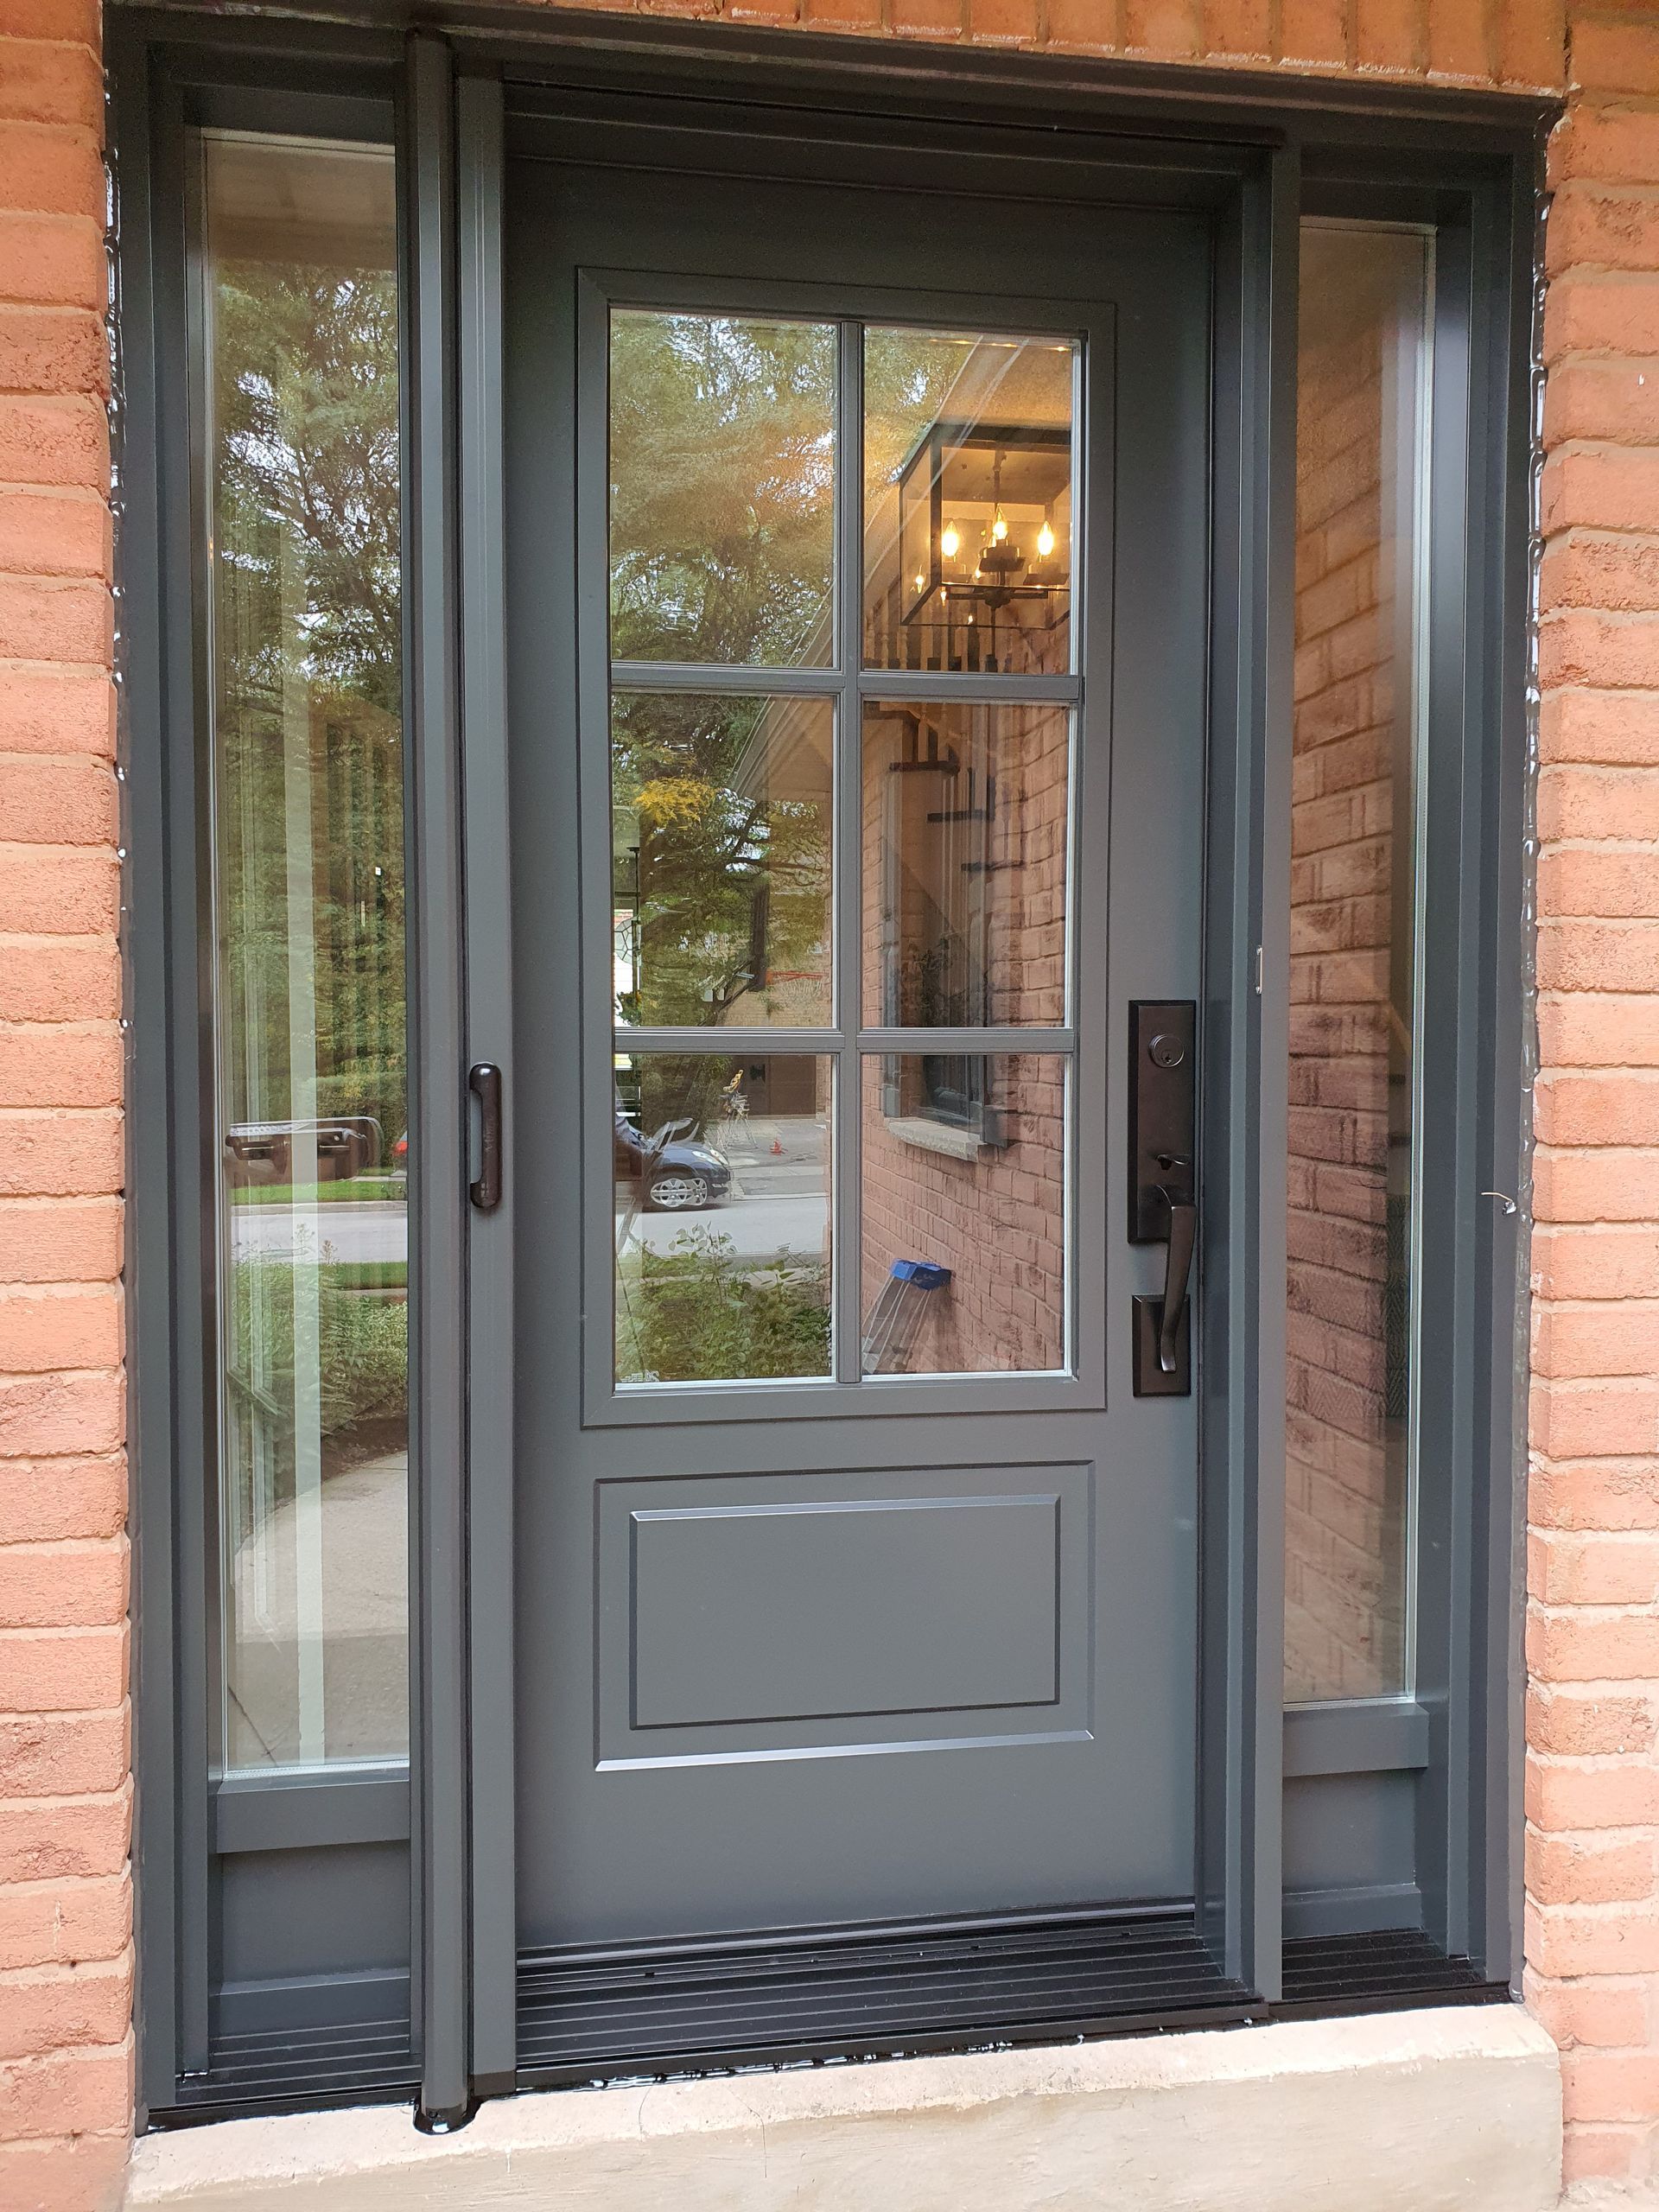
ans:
(984, 1041)
(846, 906)
(965, 683)
(723, 1042)
(438, 1521)
(848, 682)
(724, 677)
(486, 815)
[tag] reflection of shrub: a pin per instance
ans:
(362, 1345)
(704, 1317)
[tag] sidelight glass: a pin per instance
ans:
(720, 814)
(301, 399)
(963, 1213)
(1360, 489)
(722, 473)
(968, 471)
(966, 811)
(720, 1172)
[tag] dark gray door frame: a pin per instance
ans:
(1198, 135)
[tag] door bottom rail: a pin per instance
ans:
(652, 2013)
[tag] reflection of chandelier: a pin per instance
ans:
(984, 520)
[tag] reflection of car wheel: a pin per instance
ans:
(676, 1192)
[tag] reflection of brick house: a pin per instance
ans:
(1351, 989)
(990, 1207)
(964, 1155)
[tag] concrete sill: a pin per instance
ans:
(1455, 2110)
(923, 1135)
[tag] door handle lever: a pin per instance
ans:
(484, 1081)
(1177, 1267)
(1163, 1185)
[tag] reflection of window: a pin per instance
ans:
(966, 815)
(940, 868)
(951, 1090)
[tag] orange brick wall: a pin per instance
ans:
(66, 1963)
(1593, 1801)
(1593, 1789)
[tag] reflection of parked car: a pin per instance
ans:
(262, 1152)
(678, 1177)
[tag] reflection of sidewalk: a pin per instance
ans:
(776, 1178)
(353, 1585)
(375, 1231)
(774, 1155)
(755, 1227)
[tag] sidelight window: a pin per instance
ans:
(1361, 493)
(300, 391)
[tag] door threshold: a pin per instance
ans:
(641, 2014)
(1392, 1970)
(294, 2069)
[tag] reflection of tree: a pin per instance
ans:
(307, 679)
(723, 444)
(930, 994)
(723, 851)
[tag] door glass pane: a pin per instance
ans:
(965, 837)
(300, 306)
(963, 1212)
(722, 438)
(720, 812)
(967, 476)
(720, 1168)
(1360, 472)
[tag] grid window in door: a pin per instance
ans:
(842, 735)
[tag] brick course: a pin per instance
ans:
(1592, 1793)
(65, 1958)
(1591, 1877)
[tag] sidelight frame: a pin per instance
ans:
(450, 97)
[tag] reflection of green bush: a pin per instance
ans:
(701, 1315)
(362, 1345)
(359, 1190)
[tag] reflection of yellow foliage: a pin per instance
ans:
(675, 799)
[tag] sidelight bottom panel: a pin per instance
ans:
(661, 2009)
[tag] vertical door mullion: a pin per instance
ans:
(489, 1037)
(1270, 612)
(1243, 1057)
(437, 1124)
(847, 914)
(167, 1318)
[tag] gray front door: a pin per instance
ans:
(857, 578)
